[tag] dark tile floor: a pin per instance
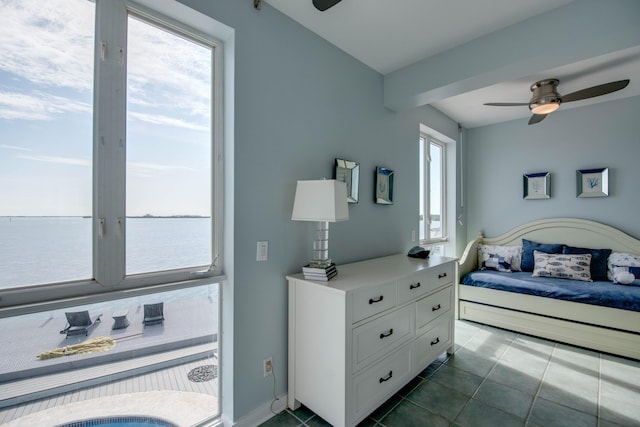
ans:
(499, 378)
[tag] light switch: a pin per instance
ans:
(262, 253)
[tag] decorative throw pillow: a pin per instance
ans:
(560, 266)
(528, 246)
(599, 259)
(496, 262)
(621, 259)
(626, 275)
(511, 254)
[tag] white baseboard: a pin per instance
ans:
(260, 414)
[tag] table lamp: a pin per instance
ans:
(322, 201)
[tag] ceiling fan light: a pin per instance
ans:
(544, 107)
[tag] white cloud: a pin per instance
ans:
(56, 159)
(168, 72)
(146, 170)
(49, 43)
(136, 168)
(154, 166)
(14, 147)
(38, 106)
(167, 121)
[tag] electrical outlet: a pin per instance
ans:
(267, 366)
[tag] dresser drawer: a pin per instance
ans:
(432, 343)
(373, 300)
(431, 307)
(414, 286)
(380, 381)
(382, 335)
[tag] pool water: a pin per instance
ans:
(121, 422)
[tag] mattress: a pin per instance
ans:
(608, 294)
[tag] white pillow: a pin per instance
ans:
(621, 259)
(625, 275)
(511, 254)
(562, 266)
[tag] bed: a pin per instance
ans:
(612, 328)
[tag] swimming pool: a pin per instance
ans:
(121, 421)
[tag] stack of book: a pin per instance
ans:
(319, 273)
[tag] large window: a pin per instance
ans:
(110, 120)
(110, 202)
(432, 190)
(46, 93)
(168, 202)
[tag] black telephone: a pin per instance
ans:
(418, 252)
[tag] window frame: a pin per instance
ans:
(427, 140)
(109, 174)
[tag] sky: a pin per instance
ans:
(46, 114)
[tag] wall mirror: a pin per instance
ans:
(536, 185)
(593, 182)
(384, 186)
(348, 172)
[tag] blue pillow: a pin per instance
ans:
(529, 246)
(599, 259)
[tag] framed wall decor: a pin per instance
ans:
(536, 185)
(592, 182)
(384, 186)
(348, 172)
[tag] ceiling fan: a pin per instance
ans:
(323, 5)
(546, 99)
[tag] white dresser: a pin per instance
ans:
(356, 340)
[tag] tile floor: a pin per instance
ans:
(499, 378)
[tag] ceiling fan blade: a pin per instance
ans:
(536, 118)
(590, 92)
(506, 104)
(323, 5)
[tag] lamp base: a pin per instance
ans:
(319, 273)
(320, 263)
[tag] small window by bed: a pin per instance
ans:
(432, 190)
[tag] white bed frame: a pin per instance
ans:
(610, 330)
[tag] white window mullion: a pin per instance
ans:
(217, 161)
(427, 192)
(109, 142)
(443, 186)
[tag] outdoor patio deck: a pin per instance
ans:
(166, 393)
(144, 359)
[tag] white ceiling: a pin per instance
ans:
(388, 35)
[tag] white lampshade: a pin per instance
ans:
(320, 200)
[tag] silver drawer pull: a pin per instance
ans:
(436, 341)
(375, 300)
(436, 308)
(440, 276)
(387, 378)
(414, 286)
(386, 334)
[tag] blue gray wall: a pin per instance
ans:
(299, 103)
(602, 135)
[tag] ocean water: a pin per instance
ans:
(39, 250)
